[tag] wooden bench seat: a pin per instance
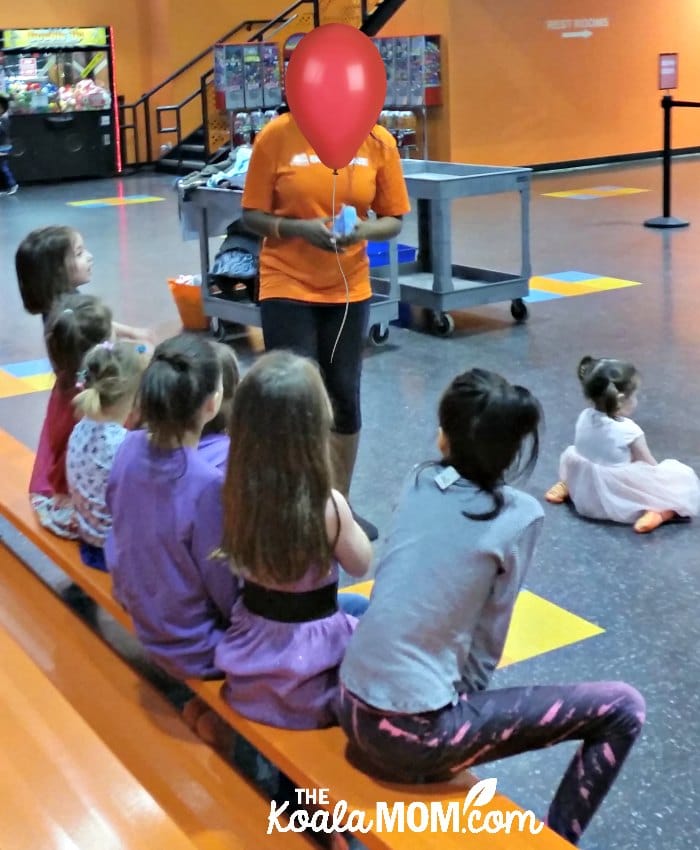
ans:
(313, 759)
(60, 785)
(202, 794)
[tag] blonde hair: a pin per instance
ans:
(110, 373)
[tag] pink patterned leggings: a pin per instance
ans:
(489, 725)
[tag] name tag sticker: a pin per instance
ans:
(447, 477)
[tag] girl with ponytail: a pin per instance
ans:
(609, 472)
(107, 385)
(165, 502)
(416, 699)
(75, 324)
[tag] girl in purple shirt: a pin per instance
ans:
(165, 502)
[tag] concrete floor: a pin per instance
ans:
(643, 591)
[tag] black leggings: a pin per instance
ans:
(311, 330)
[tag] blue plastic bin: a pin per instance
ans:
(378, 253)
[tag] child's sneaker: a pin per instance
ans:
(13, 189)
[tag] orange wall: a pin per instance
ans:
(515, 91)
(520, 93)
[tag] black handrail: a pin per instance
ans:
(281, 18)
(249, 24)
(380, 15)
(144, 100)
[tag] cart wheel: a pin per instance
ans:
(442, 325)
(378, 334)
(217, 328)
(518, 310)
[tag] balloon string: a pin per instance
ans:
(342, 272)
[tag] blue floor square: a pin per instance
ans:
(571, 277)
(28, 368)
(541, 295)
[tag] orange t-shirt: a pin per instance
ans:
(286, 178)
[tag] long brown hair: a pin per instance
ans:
(279, 472)
(41, 263)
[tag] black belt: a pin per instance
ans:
(287, 607)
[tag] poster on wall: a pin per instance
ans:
(668, 71)
(234, 77)
(252, 66)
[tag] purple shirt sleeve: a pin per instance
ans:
(217, 578)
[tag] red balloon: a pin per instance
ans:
(336, 88)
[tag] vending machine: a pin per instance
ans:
(63, 103)
(248, 87)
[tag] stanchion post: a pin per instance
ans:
(666, 220)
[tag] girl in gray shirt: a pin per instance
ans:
(414, 698)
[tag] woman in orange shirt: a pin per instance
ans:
(308, 278)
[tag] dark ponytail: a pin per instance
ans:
(74, 326)
(486, 421)
(607, 383)
(184, 371)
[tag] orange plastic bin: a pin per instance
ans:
(186, 290)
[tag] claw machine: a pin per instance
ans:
(63, 104)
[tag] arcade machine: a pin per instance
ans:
(65, 120)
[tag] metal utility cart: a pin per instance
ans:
(208, 212)
(434, 282)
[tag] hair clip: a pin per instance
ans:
(141, 348)
(108, 345)
(81, 380)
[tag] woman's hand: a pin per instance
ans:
(372, 229)
(360, 233)
(317, 232)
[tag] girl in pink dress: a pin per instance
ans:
(609, 472)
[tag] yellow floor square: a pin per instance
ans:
(594, 192)
(600, 284)
(586, 287)
(41, 382)
(9, 386)
(569, 193)
(561, 287)
(610, 193)
(538, 626)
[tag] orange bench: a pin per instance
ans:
(211, 804)
(312, 759)
(60, 780)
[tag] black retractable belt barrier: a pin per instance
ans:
(666, 219)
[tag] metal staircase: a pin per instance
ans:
(173, 136)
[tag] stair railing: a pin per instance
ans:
(275, 24)
(142, 106)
